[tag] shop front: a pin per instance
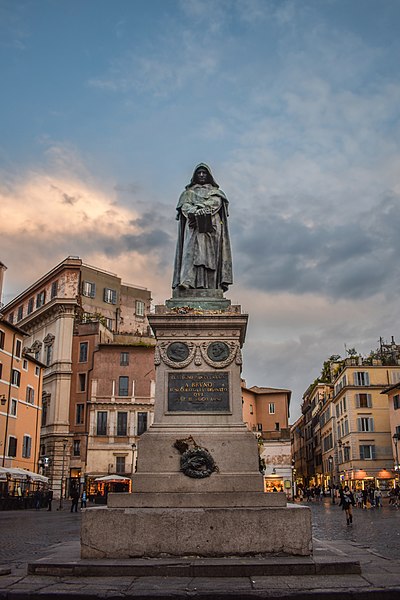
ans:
(360, 479)
(279, 480)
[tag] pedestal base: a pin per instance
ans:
(207, 532)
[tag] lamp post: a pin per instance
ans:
(133, 464)
(330, 461)
(65, 442)
(395, 440)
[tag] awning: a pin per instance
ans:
(110, 478)
(17, 473)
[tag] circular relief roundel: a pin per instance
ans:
(218, 351)
(177, 351)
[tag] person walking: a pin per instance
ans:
(378, 498)
(49, 499)
(83, 499)
(347, 502)
(75, 500)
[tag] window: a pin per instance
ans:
(395, 376)
(81, 382)
(271, 408)
(361, 378)
(327, 443)
(1, 369)
(26, 446)
(12, 446)
(89, 289)
(102, 422)
(367, 452)
(30, 395)
(340, 384)
(20, 313)
(123, 386)
(122, 423)
(251, 409)
(139, 308)
(25, 364)
(109, 323)
(124, 359)
(259, 426)
(40, 299)
(77, 447)
(18, 348)
(45, 405)
(11, 317)
(363, 400)
(2, 336)
(110, 296)
(37, 371)
(277, 428)
(13, 407)
(142, 422)
(396, 401)
(80, 414)
(120, 464)
(30, 305)
(83, 352)
(365, 424)
(54, 289)
(15, 377)
(49, 354)
(346, 453)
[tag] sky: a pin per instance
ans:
(107, 106)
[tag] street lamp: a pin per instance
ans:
(330, 461)
(395, 440)
(133, 464)
(65, 442)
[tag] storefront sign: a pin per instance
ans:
(198, 392)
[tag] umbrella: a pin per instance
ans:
(17, 473)
(109, 478)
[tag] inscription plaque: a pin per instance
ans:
(198, 392)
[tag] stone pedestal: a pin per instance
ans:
(198, 489)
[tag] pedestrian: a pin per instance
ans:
(347, 502)
(83, 499)
(75, 500)
(359, 497)
(365, 497)
(49, 499)
(37, 499)
(378, 498)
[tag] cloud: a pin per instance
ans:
(49, 215)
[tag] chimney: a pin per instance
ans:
(3, 269)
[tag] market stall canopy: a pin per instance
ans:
(17, 473)
(109, 478)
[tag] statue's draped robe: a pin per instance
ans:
(203, 260)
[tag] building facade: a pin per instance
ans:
(48, 312)
(20, 400)
(266, 413)
(345, 434)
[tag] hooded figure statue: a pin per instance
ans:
(203, 253)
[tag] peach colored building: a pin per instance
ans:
(20, 400)
(266, 413)
(111, 403)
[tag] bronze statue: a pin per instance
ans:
(203, 252)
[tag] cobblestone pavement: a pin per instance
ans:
(373, 540)
(26, 535)
(375, 528)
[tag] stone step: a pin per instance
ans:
(197, 567)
